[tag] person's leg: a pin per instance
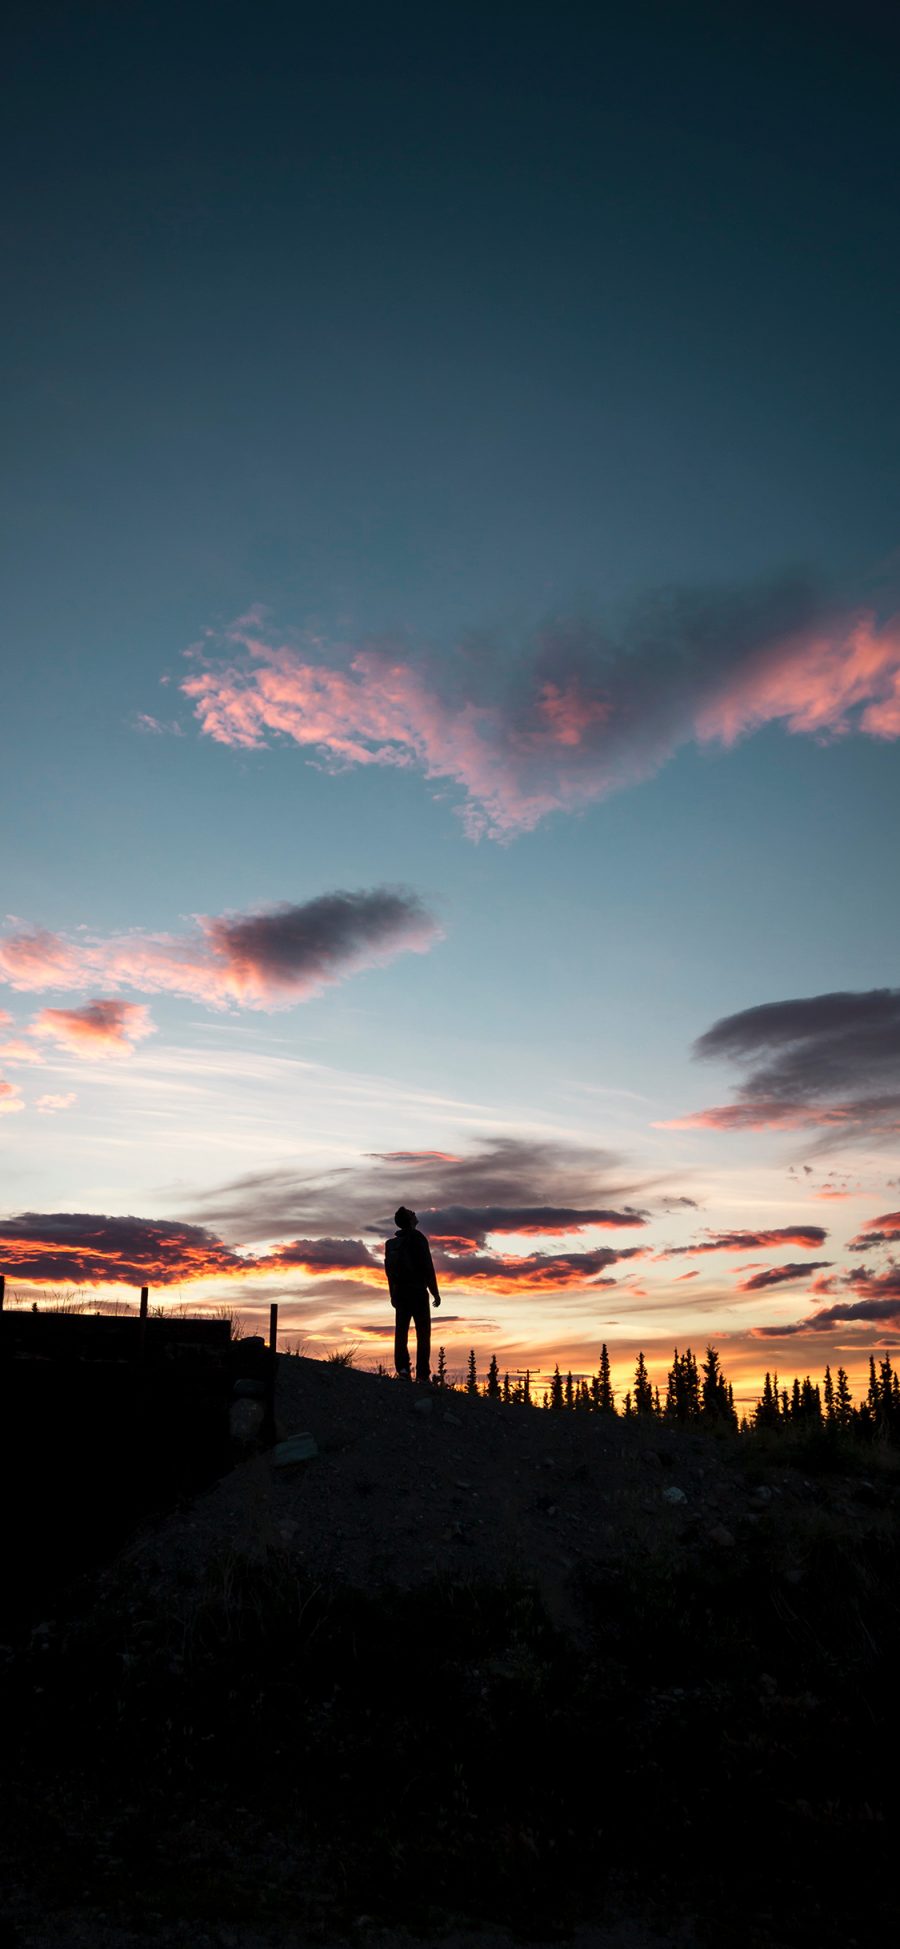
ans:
(422, 1317)
(402, 1317)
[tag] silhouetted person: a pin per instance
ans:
(411, 1277)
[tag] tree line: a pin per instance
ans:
(697, 1392)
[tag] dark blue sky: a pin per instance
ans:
(431, 326)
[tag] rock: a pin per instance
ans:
(423, 1406)
(452, 1420)
(651, 1460)
(297, 1448)
(761, 1493)
(721, 1536)
(673, 1495)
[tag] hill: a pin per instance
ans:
(470, 1666)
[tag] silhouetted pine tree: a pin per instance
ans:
(843, 1400)
(526, 1389)
(556, 1389)
(643, 1392)
(628, 1406)
(683, 1388)
(492, 1389)
(606, 1400)
(507, 1390)
(442, 1367)
(828, 1391)
(810, 1401)
(872, 1400)
(765, 1414)
(887, 1417)
(715, 1404)
(471, 1373)
(570, 1395)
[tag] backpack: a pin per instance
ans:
(401, 1265)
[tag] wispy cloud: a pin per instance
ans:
(831, 1061)
(575, 714)
(49, 1105)
(465, 1227)
(781, 1275)
(871, 1297)
(266, 959)
(752, 1241)
(517, 1176)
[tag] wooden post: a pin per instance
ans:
(268, 1427)
(142, 1321)
(2, 1289)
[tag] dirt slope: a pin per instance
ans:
(409, 1483)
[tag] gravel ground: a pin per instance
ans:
(409, 1483)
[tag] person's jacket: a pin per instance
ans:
(409, 1265)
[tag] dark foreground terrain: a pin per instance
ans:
(472, 1668)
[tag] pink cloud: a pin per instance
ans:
(814, 685)
(35, 959)
(18, 1050)
(879, 1231)
(761, 1113)
(267, 959)
(570, 719)
(101, 1028)
(11, 1098)
(49, 1104)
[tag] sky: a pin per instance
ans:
(451, 552)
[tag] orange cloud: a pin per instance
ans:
(809, 1236)
(535, 1272)
(87, 1248)
(101, 1028)
(880, 1231)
